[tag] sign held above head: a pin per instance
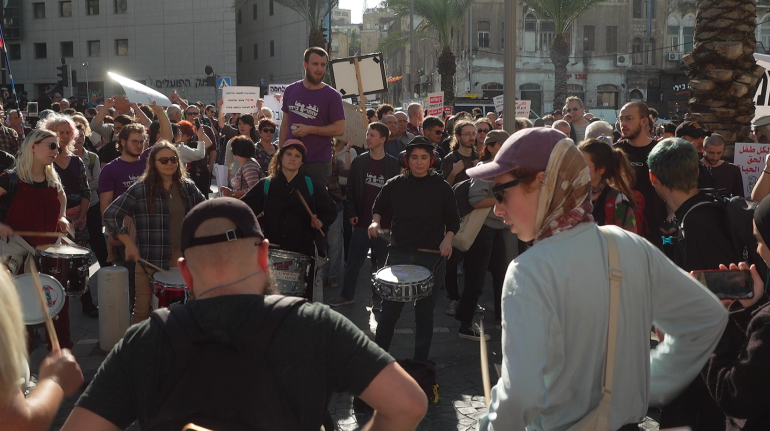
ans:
(140, 93)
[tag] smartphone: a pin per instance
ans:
(197, 123)
(727, 284)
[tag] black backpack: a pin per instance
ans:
(739, 222)
(461, 191)
(212, 398)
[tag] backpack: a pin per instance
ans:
(739, 223)
(213, 398)
(462, 191)
(424, 373)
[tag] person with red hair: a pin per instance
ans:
(191, 143)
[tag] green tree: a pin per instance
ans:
(563, 13)
(313, 11)
(440, 18)
(722, 70)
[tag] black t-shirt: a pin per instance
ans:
(313, 353)
(728, 176)
(373, 182)
(454, 157)
(109, 152)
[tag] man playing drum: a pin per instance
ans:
(424, 216)
(312, 353)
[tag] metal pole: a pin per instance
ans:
(509, 79)
(410, 81)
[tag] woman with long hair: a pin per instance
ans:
(245, 127)
(611, 179)
(266, 146)
(36, 203)
(285, 220)
(248, 174)
(483, 127)
(157, 202)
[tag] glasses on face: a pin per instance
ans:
(81, 128)
(51, 145)
(499, 190)
(167, 160)
(136, 142)
(482, 131)
(266, 130)
(192, 113)
(575, 109)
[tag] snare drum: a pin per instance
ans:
(53, 292)
(170, 287)
(67, 263)
(403, 283)
(289, 270)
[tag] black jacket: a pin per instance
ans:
(357, 181)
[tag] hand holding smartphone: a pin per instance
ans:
(197, 123)
(727, 284)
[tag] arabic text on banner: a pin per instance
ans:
(751, 159)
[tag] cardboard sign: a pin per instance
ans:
(435, 104)
(355, 129)
(240, 100)
(522, 108)
(499, 102)
(448, 111)
(751, 159)
(276, 88)
(274, 101)
(138, 93)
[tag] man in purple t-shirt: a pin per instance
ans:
(314, 115)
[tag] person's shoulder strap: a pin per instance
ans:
(267, 185)
(91, 161)
(309, 183)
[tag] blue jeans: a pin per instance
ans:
(359, 243)
(423, 315)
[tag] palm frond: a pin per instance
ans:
(562, 12)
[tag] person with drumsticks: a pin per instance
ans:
(157, 203)
(280, 199)
(58, 378)
(32, 199)
(424, 216)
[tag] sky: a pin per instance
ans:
(357, 9)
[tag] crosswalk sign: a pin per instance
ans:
(223, 81)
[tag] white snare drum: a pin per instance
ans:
(170, 287)
(289, 270)
(53, 293)
(403, 283)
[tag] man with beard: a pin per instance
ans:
(693, 133)
(463, 156)
(726, 175)
(637, 144)
(313, 115)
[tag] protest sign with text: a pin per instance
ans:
(139, 93)
(751, 159)
(355, 129)
(241, 100)
(436, 103)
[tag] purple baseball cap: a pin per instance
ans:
(530, 148)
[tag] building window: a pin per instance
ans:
(687, 35)
(239, 16)
(256, 51)
(611, 43)
(530, 33)
(607, 96)
(483, 34)
(65, 9)
(272, 48)
(576, 90)
(14, 51)
(254, 11)
(589, 37)
(39, 10)
(67, 49)
(763, 34)
(92, 7)
(240, 54)
(94, 48)
(121, 47)
(491, 89)
(649, 52)
(649, 8)
(271, 7)
(12, 21)
(547, 32)
(40, 50)
(637, 6)
(672, 38)
(121, 6)
(636, 49)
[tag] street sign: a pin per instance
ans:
(223, 81)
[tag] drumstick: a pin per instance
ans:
(192, 427)
(151, 265)
(427, 250)
(44, 305)
(275, 245)
(308, 209)
(485, 365)
(40, 234)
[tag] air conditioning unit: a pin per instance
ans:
(673, 56)
(622, 60)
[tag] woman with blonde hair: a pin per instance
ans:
(59, 376)
(157, 202)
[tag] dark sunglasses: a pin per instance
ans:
(52, 145)
(192, 113)
(499, 190)
(266, 130)
(482, 131)
(573, 109)
(166, 160)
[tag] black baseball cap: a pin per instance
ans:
(690, 128)
(232, 209)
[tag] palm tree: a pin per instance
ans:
(722, 70)
(563, 13)
(440, 17)
(312, 10)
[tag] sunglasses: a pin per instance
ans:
(52, 145)
(499, 190)
(192, 113)
(266, 130)
(573, 109)
(166, 160)
(482, 131)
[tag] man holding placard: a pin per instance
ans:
(313, 115)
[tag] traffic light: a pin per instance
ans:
(64, 75)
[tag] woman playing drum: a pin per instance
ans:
(424, 215)
(285, 220)
(36, 203)
(157, 202)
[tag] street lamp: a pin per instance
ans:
(87, 65)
